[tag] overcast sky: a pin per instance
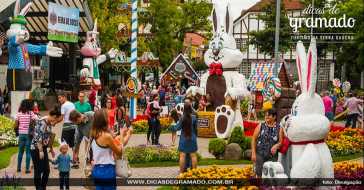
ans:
(238, 5)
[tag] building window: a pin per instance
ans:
(245, 68)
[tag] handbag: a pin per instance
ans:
(122, 167)
(285, 145)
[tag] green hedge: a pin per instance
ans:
(141, 154)
(146, 154)
(237, 136)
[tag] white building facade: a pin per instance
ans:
(249, 22)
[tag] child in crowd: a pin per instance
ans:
(251, 108)
(175, 119)
(202, 103)
(36, 108)
(64, 165)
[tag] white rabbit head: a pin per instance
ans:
(18, 22)
(91, 48)
(308, 112)
(222, 48)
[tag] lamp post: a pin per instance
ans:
(276, 42)
(134, 54)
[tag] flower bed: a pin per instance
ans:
(140, 124)
(344, 142)
(215, 172)
(7, 135)
(351, 171)
(249, 127)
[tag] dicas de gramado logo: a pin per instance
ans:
(333, 22)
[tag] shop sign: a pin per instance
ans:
(63, 23)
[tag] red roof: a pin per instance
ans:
(288, 5)
(193, 39)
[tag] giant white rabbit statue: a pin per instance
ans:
(93, 58)
(19, 72)
(223, 80)
(308, 125)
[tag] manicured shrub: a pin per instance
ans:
(237, 136)
(217, 146)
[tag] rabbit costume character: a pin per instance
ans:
(92, 59)
(223, 80)
(19, 72)
(308, 126)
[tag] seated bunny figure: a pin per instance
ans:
(19, 71)
(308, 125)
(92, 59)
(223, 80)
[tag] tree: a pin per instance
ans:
(108, 19)
(264, 39)
(170, 21)
(352, 54)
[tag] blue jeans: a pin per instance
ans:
(104, 176)
(24, 142)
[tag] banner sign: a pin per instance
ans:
(203, 122)
(63, 23)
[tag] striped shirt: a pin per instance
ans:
(24, 121)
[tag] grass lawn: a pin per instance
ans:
(165, 188)
(6, 155)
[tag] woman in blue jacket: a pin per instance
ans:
(188, 138)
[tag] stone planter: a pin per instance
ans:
(232, 152)
(247, 154)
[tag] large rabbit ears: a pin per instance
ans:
(24, 11)
(93, 33)
(95, 26)
(224, 22)
(307, 66)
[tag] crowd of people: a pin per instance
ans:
(351, 102)
(99, 125)
(80, 123)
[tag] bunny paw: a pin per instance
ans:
(179, 108)
(224, 118)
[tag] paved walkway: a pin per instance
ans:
(137, 139)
